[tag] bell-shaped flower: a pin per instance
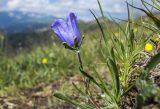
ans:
(67, 31)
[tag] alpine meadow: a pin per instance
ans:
(79, 56)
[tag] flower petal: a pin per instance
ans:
(57, 27)
(73, 27)
(61, 30)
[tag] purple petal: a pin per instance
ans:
(73, 27)
(61, 30)
(55, 27)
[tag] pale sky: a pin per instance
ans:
(60, 8)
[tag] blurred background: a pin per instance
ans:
(27, 23)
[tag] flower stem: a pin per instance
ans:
(86, 82)
(79, 58)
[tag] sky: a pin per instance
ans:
(60, 8)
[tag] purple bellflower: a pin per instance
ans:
(67, 31)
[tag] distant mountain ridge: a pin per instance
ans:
(13, 22)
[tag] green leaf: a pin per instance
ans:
(112, 54)
(115, 75)
(122, 48)
(68, 100)
(104, 86)
(103, 34)
(131, 39)
(144, 74)
(63, 97)
(67, 46)
(149, 14)
(79, 90)
(139, 102)
(100, 7)
(88, 76)
(153, 62)
(157, 6)
(76, 43)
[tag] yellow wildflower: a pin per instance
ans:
(44, 61)
(148, 47)
(135, 30)
(116, 34)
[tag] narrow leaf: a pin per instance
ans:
(103, 35)
(68, 100)
(100, 8)
(153, 62)
(114, 70)
(67, 46)
(88, 76)
(139, 102)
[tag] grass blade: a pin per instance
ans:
(103, 35)
(68, 100)
(149, 14)
(115, 74)
(89, 77)
(100, 7)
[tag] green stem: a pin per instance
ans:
(87, 82)
(81, 66)
(79, 58)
